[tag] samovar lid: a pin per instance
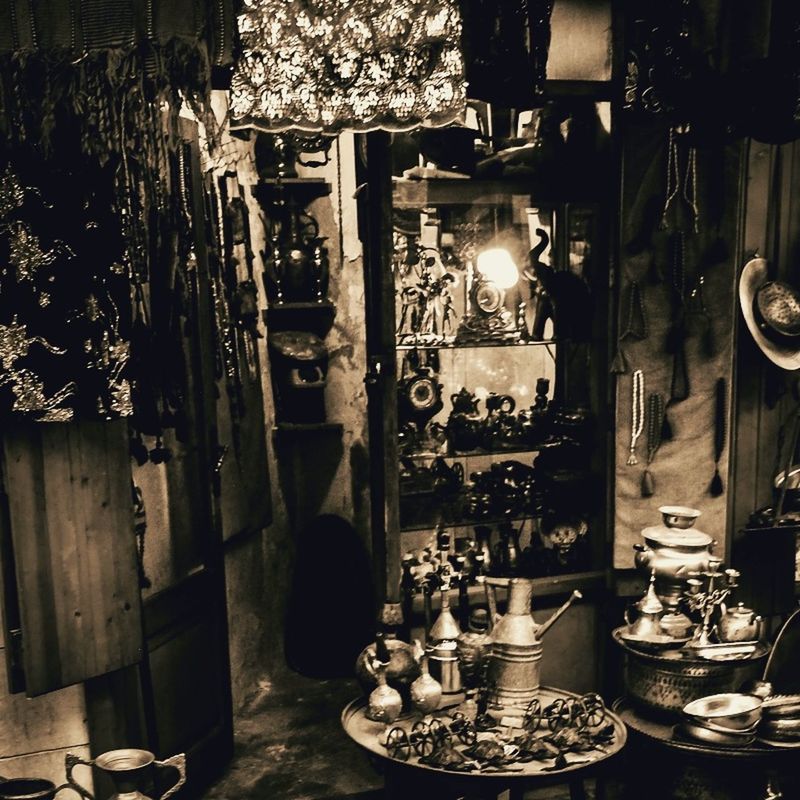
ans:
(675, 537)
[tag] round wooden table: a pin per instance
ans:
(410, 779)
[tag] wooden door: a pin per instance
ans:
(178, 699)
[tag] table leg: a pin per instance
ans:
(576, 789)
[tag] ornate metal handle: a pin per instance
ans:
(70, 762)
(178, 762)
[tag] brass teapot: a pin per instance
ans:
(738, 624)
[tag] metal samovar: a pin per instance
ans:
(517, 648)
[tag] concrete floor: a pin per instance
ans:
(289, 746)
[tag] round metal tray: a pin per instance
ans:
(368, 735)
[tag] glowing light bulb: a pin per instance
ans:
(497, 266)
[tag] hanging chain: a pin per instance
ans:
(655, 418)
(673, 175)
(690, 188)
(339, 200)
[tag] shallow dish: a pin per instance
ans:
(749, 731)
(652, 644)
(729, 710)
(781, 706)
(701, 734)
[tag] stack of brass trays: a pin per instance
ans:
(780, 720)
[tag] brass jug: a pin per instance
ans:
(517, 649)
(128, 769)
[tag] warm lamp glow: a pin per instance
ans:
(497, 266)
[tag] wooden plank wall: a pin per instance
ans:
(71, 517)
(758, 421)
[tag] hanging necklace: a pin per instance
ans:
(637, 414)
(690, 188)
(673, 176)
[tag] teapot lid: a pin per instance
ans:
(675, 537)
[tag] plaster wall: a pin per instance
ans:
(324, 475)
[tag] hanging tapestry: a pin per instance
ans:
(65, 298)
(95, 231)
(332, 65)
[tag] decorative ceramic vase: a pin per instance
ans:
(402, 671)
(385, 703)
(426, 691)
(129, 769)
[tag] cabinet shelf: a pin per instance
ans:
(301, 190)
(410, 193)
(467, 523)
(451, 345)
(512, 451)
(542, 587)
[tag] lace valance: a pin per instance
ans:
(332, 65)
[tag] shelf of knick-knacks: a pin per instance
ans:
(301, 190)
(468, 522)
(453, 345)
(542, 587)
(472, 453)
(316, 317)
(427, 192)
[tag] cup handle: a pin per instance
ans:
(70, 762)
(178, 762)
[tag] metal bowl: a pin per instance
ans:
(729, 710)
(681, 517)
(663, 683)
(712, 726)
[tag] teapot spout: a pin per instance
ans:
(545, 626)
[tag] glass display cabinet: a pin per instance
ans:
(488, 251)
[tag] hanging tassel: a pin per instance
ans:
(717, 252)
(619, 366)
(716, 487)
(666, 430)
(708, 341)
(648, 484)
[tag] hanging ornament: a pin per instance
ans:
(716, 487)
(636, 327)
(655, 421)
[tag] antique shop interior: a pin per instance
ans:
(400, 398)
